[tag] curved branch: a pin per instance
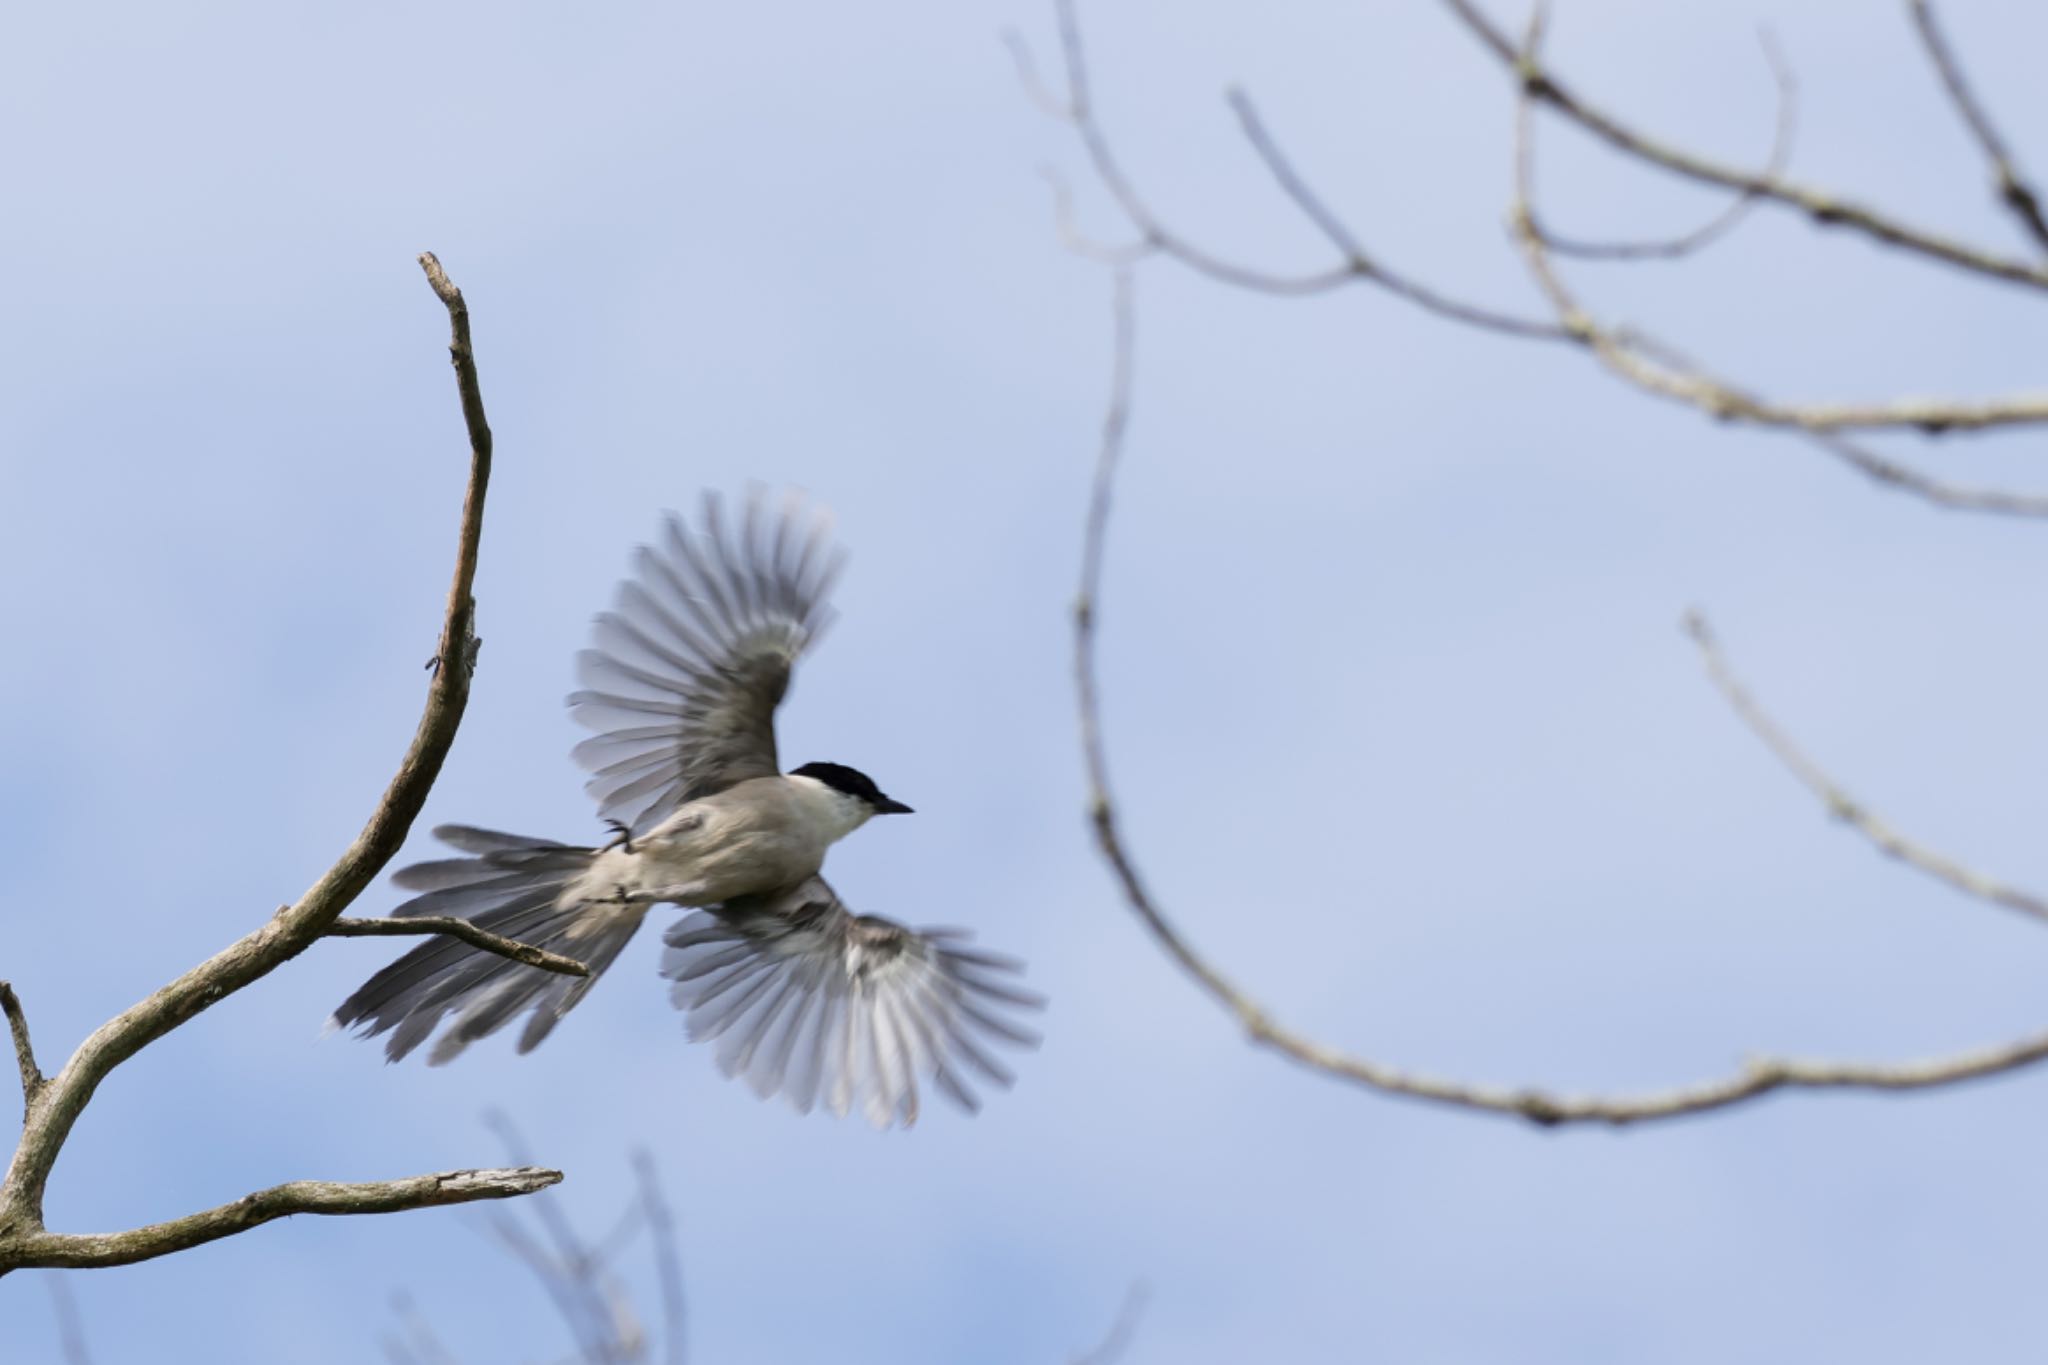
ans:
(291, 930)
(73, 1250)
(415, 925)
(1077, 110)
(1722, 223)
(2013, 189)
(1959, 497)
(1822, 207)
(1758, 1077)
(1708, 393)
(1840, 804)
(1361, 265)
(1657, 368)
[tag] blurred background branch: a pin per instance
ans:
(1647, 365)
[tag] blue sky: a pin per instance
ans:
(1399, 706)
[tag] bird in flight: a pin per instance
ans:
(804, 997)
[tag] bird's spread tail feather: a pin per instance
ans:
(512, 886)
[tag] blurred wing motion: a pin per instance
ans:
(811, 1001)
(694, 656)
(512, 886)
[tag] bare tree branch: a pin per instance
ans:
(57, 1104)
(1960, 497)
(1840, 804)
(1716, 397)
(590, 1300)
(1758, 1077)
(1077, 111)
(668, 1258)
(591, 1305)
(464, 930)
(1627, 359)
(24, 1052)
(1360, 265)
(1722, 223)
(2013, 188)
(76, 1250)
(1657, 368)
(1822, 207)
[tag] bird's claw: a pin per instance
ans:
(622, 837)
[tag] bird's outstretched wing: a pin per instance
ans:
(689, 664)
(808, 1000)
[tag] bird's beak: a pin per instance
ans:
(890, 806)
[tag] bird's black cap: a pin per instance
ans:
(854, 783)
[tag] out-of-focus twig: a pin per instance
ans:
(1822, 207)
(668, 1258)
(1722, 223)
(1758, 1077)
(1077, 109)
(1839, 802)
(2013, 189)
(580, 1276)
(1932, 416)
(1656, 367)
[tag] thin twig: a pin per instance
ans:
(1728, 402)
(1077, 110)
(1074, 239)
(574, 1252)
(23, 1239)
(464, 930)
(1722, 223)
(1839, 803)
(1960, 497)
(1357, 261)
(668, 1258)
(571, 1275)
(2013, 189)
(1822, 207)
(1718, 398)
(32, 1081)
(1758, 1077)
(1035, 89)
(572, 1284)
(77, 1250)
(1656, 367)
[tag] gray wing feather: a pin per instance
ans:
(688, 666)
(807, 1000)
